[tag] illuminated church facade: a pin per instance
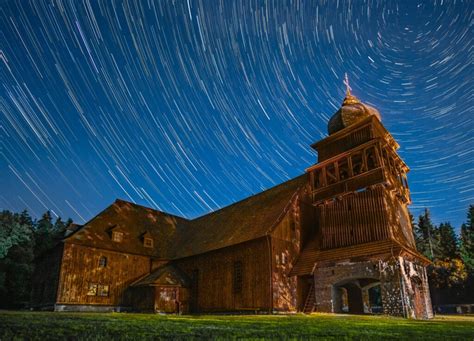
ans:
(335, 239)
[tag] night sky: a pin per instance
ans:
(188, 106)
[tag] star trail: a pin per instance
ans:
(188, 106)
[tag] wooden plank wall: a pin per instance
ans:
(215, 277)
(309, 221)
(355, 138)
(80, 268)
(354, 219)
(402, 229)
(285, 250)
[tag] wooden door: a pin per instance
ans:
(166, 299)
(418, 300)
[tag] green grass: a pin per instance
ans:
(123, 326)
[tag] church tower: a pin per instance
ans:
(363, 242)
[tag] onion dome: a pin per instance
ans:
(351, 111)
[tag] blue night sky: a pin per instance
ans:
(188, 106)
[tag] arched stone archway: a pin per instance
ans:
(398, 287)
(352, 295)
(344, 287)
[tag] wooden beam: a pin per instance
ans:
(336, 170)
(324, 180)
(349, 165)
(364, 167)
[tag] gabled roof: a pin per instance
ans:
(133, 220)
(164, 275)
(175, 237)
(71, 229)
(246, 220)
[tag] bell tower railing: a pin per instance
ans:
(368, 164)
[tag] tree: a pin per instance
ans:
(448, 248)
(447, 273)
(16, 258)
(21, 240)
(426, 236)
(25, 219)
(44, 234)
(447, 281)
(467, 240)
(59, 227)
(12, 232)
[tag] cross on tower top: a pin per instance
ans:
(346, 82)
(349, 99)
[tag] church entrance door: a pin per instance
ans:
(166, 300)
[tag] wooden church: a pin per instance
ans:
(335, 239)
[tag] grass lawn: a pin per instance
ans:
(124, 326)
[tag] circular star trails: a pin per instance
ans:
(187, 106)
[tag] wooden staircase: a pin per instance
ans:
(310, 302)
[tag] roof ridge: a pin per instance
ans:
(150, 208)
(285, 210)
(247, 198)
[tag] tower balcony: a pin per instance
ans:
(359, 168)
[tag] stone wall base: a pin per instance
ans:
(90, 308)
(403, 287)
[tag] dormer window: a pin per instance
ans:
(147, 239)
(147, 242)
(102, 262)
(117, 236)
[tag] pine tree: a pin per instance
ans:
(447, 242)
(21, 239)
(16, 258)
(59, 227)
(44, 234)
(467, 240)
(427, 236)
(25, 219)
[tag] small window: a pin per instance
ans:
(195, 289)
(237, 277)
(195, 277)
(98, 290)
(92, 289)
(102, 290)
(117, 236)
(102, 262)
(148, 242)
(283, 258)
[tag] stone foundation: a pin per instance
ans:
(90, 308)
(403, 287)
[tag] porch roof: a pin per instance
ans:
(166, 275)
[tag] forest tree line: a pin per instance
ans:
(451, 274)
(23, 239)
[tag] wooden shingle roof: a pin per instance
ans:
(176, 237)
(246, 220)
(133, 221)
(166, 275)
